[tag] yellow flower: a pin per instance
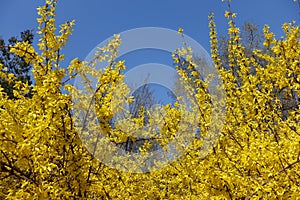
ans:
(180, 31)
(227, 14)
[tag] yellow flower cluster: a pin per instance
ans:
(46, 152)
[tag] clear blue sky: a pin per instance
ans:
(97, 20)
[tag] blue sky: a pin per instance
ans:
(96, 20)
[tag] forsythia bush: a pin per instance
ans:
(257, 155)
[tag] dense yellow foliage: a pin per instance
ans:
(256, 156)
